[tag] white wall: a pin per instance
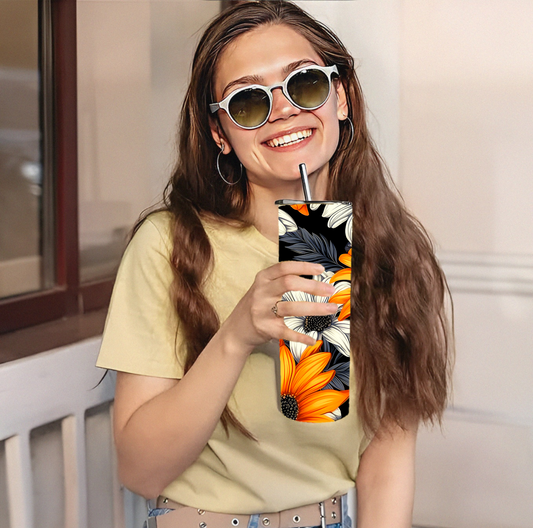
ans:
(450, 84)
(371, 32)
(133, 64)
(467, 108)
(465, 170)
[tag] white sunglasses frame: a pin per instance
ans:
(328, 70)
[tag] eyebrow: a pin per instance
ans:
(257, 79)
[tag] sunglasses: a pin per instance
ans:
(250, 107)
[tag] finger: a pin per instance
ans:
(292, 335)
(293, 267)
(287, 308)
(288, 283)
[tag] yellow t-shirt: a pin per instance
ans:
(293, 463)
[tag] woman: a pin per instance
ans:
(195, 317)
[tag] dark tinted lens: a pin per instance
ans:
(250, 107)
(309, 88)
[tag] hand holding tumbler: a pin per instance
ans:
(315, 379)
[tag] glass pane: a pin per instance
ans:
(20, 149)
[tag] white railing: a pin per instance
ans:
(60, 385)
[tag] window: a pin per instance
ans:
(39, 255)
(107, 80)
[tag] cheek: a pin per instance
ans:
(241, 142)
(332, 128)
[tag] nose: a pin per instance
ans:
(282, 108)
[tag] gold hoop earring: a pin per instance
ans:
(222, 147)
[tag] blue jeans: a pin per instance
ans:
(254, 519)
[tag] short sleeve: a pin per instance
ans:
(141, 332)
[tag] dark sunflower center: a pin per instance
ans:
(289, 406)
(317, 323)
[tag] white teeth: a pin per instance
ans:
(289, 139)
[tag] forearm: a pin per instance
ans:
(386, 481)
(167, 433)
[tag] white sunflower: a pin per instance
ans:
(297, 349)
(337, 213)
(325, 327)
(335, 415)
(285, 223)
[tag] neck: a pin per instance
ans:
(263, 209)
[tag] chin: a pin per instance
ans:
(312, 167)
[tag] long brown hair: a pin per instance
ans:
(400, 338)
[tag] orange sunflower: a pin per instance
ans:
(301, 396)
(343, 296)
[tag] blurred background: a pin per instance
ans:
(90, 93)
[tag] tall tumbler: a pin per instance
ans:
(315, 379)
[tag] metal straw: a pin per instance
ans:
(305, 182)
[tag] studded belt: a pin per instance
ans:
(318, 514)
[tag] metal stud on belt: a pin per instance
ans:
(322, 515)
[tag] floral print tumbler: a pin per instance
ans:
(315, 379)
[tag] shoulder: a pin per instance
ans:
(141, 332)
(155, 230)
(147, 259)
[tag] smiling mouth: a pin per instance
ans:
(290, 139)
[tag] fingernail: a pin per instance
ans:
(320, 268)
(332, 308)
